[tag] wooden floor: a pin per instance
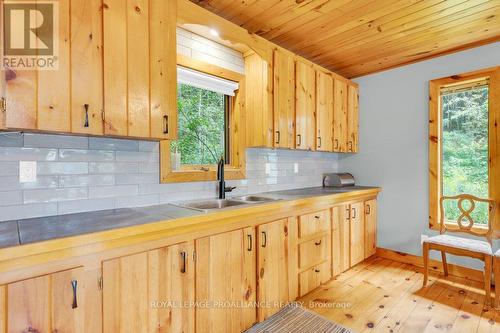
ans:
(380, 295)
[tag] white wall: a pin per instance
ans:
(394, 142)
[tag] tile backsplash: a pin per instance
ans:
(78, 174)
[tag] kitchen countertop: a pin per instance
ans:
(34, 230)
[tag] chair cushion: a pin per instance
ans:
(497, 254)
(461, 243)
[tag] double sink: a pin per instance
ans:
(217, 204)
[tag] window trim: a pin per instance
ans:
(236, 169)
(435, 140)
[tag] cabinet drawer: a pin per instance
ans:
(313, 278)
(312, 251)
(314, 223)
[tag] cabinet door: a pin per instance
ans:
(357, 231)
(67, 301)
(284, 99)
(370, 227)
(352, 118)
(272, 266)
(305, 104)
(340, 116)
(340, 239)
(225, 277)
(324, 111)
(147, 292)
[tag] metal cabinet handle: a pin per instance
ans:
(350, 145)
(354, 213)
(278, 137)
(317, 243)
(183, 257)
(368, 209)
(165, 124)
(316, 270)
(300, 140)
(86, 123)
(249, 248)
(316, 217)
(336, 144)
(264, 239)
(319, 142)
(74, 285)
(348, 213)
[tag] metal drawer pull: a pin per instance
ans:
(264, 239)
(318, 242)
(316, 217)
(249, 243)
(74, 285)
(183, 267)
(86, 123)
(165, 124)
(316, 270)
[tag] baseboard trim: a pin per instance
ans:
(406, 258)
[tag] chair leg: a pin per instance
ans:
(488, 261)
(426, 263)
(445, 264)
(496, 274)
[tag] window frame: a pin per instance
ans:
(236, 131)
(435, 141)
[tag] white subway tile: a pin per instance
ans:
(137, 201)
(147, 178)
(113, 191)
(54, 195)
(11, 139)
(146, 167)
(27, 211)
(86, 180)
(55, 141)
(79, 155)
(149, 146)
(9, 168)
(62, 168)
(79, 206)
(130, 156)
(27, 154)
(9, 183)
(113, 144)
(11, 198)
(113, 167)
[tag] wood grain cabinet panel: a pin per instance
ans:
(370, 227)
(226, 281)
(341, 249)
(67, 301)
(317, 222)
(305, 104)
(352, 118)
(284, 99)
(324, 111)
(357, 233)
(313, 251)
(148, 292)
(340, 116)
(272, 267)
(313, 277)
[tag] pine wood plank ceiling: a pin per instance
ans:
(358, 37)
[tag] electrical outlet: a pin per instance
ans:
(422, 238)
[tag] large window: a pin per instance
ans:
(463, 155)
(203, 120)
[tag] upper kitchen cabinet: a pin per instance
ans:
(340, 116)
(352, 118)
(116, 73)
(324, 111)
(140, 68)
(305, 103)
(284, 98)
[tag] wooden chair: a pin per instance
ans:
(463, 246)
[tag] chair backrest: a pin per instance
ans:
(465, 222)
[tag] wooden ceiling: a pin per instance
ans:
(358, 37)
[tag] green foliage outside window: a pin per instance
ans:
(465, 149)
(201, 125)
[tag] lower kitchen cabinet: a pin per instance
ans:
(226, 281)
(150, 291)
(370, 227)
(341, 247)
(273, 267)
(67, 301)
(357, 233)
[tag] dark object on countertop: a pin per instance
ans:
(338, 180)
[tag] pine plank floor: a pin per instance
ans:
(380, 295)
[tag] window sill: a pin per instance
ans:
(181, 176)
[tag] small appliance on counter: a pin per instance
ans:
(338, 180)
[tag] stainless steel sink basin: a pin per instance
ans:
(211, 204)
(254, 199)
